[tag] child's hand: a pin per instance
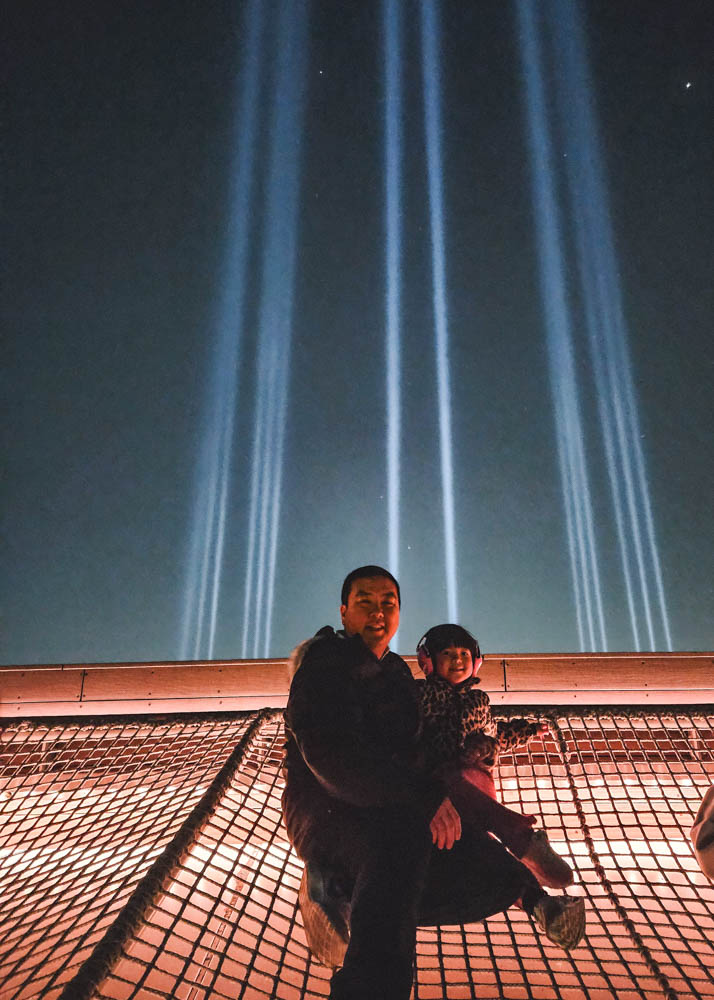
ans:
(479, 748)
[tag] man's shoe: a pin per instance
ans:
(562, 918)
(547, 866)
(325, 917)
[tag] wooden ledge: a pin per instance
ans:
(240, 685)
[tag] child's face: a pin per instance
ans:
(454, 664)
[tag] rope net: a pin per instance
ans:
(145, 858)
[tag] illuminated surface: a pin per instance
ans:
(86, 809)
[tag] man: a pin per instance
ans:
(383, 846)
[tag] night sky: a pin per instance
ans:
(120, 146)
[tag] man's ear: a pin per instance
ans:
(343, 608)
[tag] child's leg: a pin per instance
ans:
(481, 777)
(473, 792)
(474, 795)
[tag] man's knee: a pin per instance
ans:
(393, 840)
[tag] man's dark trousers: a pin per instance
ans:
(402, 881)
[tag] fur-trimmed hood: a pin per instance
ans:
(298, 654)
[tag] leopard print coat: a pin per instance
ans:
(459, 727)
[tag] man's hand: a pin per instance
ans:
(445, 826)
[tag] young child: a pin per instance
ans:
(462, 742)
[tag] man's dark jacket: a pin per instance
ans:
(352, 727)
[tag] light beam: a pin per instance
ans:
(205, 558)
(432, 127)
(275, 323)
(393, 154)
(577, 502)
(606, 325)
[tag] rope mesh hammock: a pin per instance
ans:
(145, 858)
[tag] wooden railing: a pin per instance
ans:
(239, 685)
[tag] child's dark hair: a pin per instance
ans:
(367, 573)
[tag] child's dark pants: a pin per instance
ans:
(474, 794)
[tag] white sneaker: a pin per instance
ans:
(547, 866)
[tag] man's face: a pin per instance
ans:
(372, 611)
